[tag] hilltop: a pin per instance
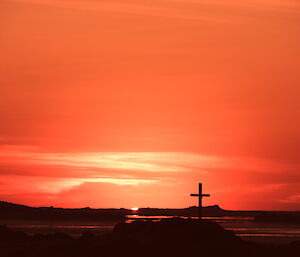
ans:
(17, 211)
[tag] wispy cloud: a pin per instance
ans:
(136, 161)
(121, 168)
(291, 199)
(26, 170)
(165, 9)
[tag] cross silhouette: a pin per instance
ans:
(200, 195)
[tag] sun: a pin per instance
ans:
(134, 208)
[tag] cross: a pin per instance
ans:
(200, 195)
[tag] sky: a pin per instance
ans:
(131, 103)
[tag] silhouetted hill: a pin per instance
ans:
(16, 211)
(191, 211)
(168, 237)
(209, 211)
(22, 212)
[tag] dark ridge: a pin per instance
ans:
(21, 212)
(191, 211)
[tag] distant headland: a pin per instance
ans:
(16, 211)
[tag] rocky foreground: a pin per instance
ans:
(169, 237)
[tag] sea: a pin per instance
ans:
(244, 227)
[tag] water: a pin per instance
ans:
(244, 227)
(250, 230)
(74, 229)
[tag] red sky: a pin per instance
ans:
(122, 103)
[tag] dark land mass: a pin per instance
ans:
(292, 217)
(167, 237)
(20, 212)
(209, 211)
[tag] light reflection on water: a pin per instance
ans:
(130, 218)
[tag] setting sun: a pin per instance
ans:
(134, 208)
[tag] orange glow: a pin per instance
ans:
(120, 103)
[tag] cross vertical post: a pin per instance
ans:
(200, 201)
(200, 195)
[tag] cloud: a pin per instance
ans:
(134, 161)
(292, 199)
(156, 9)
(114, 162)
(29, 170)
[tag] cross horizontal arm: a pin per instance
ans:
(207, 195)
